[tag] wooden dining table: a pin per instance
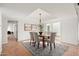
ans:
(43, 39)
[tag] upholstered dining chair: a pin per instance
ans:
(52, 40)
(36, 38)
(32, 38)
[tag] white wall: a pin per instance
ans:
(78, 31)
(69, 30)
(22, 35)
(77, 11)
(4, 29)
(0, 33)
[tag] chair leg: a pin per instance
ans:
(38, 44)
(47, 43)
(50, 46)
(54, 44)
(34, 44)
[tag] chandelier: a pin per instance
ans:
(40, 25)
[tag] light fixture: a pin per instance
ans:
(40, 25)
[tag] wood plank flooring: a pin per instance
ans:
(13, 48)
(72, 51)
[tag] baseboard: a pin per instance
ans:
(24, 40)
(68, 43)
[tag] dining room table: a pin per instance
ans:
(43, 37)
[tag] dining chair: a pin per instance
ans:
(36, 38)
(32, 38)
(46, 35)
(52, 40)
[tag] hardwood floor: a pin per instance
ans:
(13, 48)
(72, 51)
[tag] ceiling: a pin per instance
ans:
(23, 10)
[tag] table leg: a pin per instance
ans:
(44, 43)
(38, 44)
(50, 45)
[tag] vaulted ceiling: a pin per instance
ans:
(44, 15)
(48, 10)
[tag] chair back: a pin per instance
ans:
(52, 37)
(31, 35)
(36, 37)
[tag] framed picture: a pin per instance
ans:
(27, 27)
(34, 27)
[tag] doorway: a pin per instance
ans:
(12, 31)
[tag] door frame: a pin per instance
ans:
(13, 21)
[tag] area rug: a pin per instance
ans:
(58, 51)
